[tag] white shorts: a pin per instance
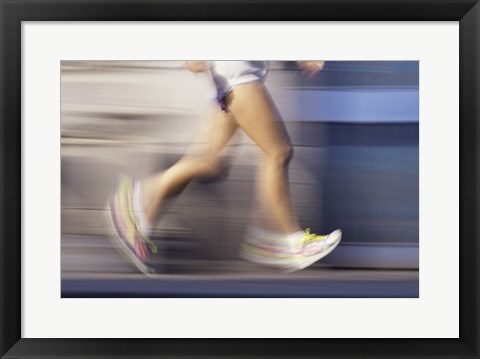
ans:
(229, 74)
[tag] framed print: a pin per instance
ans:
(100, 105)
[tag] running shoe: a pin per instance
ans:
(127, 234)
(291, 254)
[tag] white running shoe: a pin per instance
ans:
(291, 253)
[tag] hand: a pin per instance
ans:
(311, 67)
(196, 66)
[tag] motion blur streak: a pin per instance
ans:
(355, 133)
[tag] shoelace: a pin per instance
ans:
(148, 241)
(309, 237)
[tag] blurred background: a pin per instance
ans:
(354, 128)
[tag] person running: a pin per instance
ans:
(243, 103)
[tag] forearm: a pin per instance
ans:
(196, 66)
(311, 67)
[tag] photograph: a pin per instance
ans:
(251, 179)
(239, 179)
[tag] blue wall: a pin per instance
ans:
(361, 91)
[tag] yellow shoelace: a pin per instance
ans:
(309, 237)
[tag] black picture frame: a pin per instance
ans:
(13, 12)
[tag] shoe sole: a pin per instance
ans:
(123, 248)
(262, 260)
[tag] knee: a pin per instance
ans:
(215, 168)
(281, 156)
